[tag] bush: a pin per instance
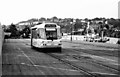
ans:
(118, 42)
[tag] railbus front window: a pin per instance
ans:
(51, 35)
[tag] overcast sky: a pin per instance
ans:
(13, 11)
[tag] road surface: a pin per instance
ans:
(75, 59)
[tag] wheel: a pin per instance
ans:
(59, 49)
(32, 47)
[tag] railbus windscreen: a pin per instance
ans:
(52, 32)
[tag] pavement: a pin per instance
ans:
(20, 59)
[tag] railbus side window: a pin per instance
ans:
(59, 33)
(34, 33)
(42, 33)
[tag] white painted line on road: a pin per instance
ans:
(57, 68)
(21, 55)
(22, 63)
(30, 60)
(51, 67)
(111, 49)
(25, 56)
(103, 73)
(70, 60)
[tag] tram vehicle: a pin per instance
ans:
(46, 35)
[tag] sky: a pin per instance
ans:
(14, 11)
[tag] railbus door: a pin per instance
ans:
(33, 36)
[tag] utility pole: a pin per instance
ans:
(87, 35)
(72, 27)
(88, 25)
(102, 35)
(102, 32)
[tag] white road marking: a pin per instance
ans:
(21, 55)
(57, 68)
(30, 60)
(103, 73)
(111, 49)
(51, 67)
(70, 59)
(25, 56)
(36, 57)
(22, 63)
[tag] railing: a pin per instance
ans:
(83, 38)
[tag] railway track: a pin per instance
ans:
(103, 52)
(107, 48)
(97, 63)
(100, 52)
(74, 66)
(78, 57)
(92, 44)
(80, 68)
(94, 62)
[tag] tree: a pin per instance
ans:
(26, 32)
(77, 26)
(13, 31)
(42, 19)
(54, 17)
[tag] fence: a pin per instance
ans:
(81, 38)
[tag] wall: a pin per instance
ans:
(1, 43)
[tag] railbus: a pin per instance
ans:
(46, 35)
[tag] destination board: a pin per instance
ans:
(50, 25)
